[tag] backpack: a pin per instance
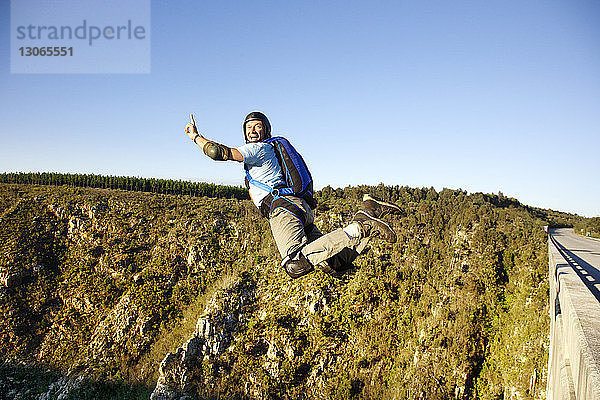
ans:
(296, 175)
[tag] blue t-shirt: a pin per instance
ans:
(263, 166)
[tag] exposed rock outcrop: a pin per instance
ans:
(182, 370)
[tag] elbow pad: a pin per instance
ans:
(217, 152)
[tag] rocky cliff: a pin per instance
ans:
(113, 294)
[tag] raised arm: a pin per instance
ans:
(216, 151)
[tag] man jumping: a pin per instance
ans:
(300, 243)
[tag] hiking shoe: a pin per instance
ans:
(371, 225)
(378, 208)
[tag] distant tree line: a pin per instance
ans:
(152, 185)
(405, 193)
(588, 227)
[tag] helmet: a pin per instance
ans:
(257, 116)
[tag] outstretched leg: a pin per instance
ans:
(302, 245)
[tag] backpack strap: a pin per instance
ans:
(276, 199)
(258, 184)
(289, 206)
(283, 191)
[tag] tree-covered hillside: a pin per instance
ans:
(99, 285)
(588, 227)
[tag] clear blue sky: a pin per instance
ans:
(484, 96)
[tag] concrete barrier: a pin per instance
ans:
(573, 368)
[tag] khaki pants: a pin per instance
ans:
(290, 235)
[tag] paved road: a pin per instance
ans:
(584, 256)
